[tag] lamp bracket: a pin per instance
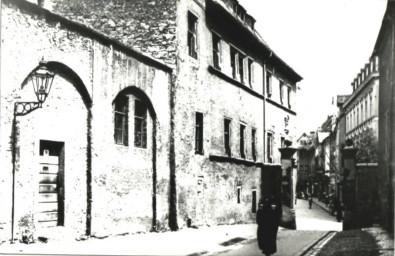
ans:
(24, 108)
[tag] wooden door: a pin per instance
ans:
(51, 185)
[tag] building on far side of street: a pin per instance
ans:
(385, 52)
(306, 162)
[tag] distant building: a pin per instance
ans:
(306, 162)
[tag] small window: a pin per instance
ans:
(227, 123)
(268, 84)
(283, 142)
(238, 194)
(269, 145)
(253, 144)
(242, 141)
(250, 72)
(199, 133)
(121, 120)
(289, 95)
(233, 62)
(216, 51)
(140, 124)
(241, 68)
(192, 35)
(281, 93)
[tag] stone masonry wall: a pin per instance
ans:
(122, 177)
(147, 26)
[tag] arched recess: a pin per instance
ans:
(68, 74)
(140, 94)
(60, 69)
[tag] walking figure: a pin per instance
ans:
(268, 218)
(310, 201)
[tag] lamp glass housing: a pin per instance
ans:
(42, 80)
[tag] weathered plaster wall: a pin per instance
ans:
(122, 177)
(197, 90)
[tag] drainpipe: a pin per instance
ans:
(13, 148)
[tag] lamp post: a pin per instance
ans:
(42, 80)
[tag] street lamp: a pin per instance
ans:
(42, 80)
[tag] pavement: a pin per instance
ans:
(384, 241)
(205, 240)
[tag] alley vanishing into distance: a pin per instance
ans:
(312, 224)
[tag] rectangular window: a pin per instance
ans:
(121, 120)
(269, 150)
(227, 123)
(140, 124)
(233, 62)
(289, 95)
(216, 51)
(366, 109)
(242, 141)
(238, 194)
(283, 142)
(199, 133)
(241, 68)
(268, 84)
(192, 35)
(281, 93)
(370, 105)
(253, 144)
(250, 72)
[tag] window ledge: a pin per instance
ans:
(280, 106)
(227, 159)
(228, 79)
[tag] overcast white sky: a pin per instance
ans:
(327, 42)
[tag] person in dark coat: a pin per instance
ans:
(310, 201)
(268, 219)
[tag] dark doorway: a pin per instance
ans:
(51, 184)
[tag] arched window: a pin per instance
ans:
(140, 124)
(121, 120)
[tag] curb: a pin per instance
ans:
(314, 248)
(322, 207)
(225, 248)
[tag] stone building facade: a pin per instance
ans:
(217, 98)
(361, 107)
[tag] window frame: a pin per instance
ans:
(253, 144)
(216, 50)
(192, 26)
(242, 143)
(268, 83)
(269, 146)
(124, 115)
(140, 131)
(228, 136)
(199, 126)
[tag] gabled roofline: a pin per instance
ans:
(31, 8)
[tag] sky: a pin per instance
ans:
(327, 42)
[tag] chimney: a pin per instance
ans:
(41, 3)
